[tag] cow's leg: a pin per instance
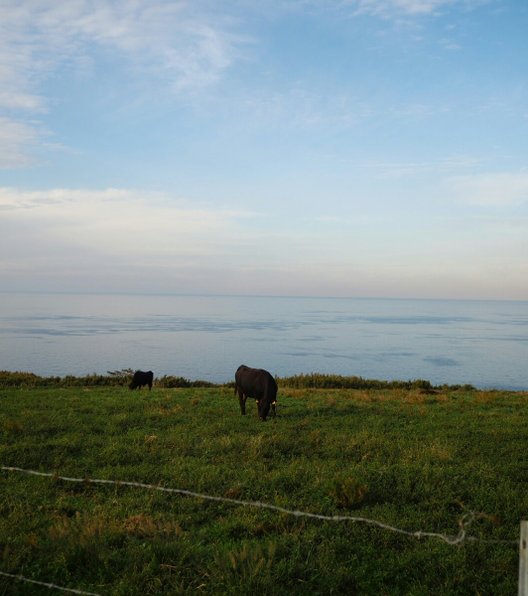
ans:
(273, 413)
(242, 399)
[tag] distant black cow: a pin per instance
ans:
(141, 378)
(258, 384)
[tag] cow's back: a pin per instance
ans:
(141, 378)
(255, 382)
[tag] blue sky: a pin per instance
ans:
(300, 147)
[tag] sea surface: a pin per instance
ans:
(484, 343)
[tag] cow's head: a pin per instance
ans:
(264, 406)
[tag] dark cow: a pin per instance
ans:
(258, 384)
(141, 378)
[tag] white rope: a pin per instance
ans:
(461, 537)
(47, 585)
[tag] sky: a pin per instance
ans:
(369, 148)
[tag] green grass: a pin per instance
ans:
(409, 457)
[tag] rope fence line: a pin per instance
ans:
(460, 538)
(47, 585)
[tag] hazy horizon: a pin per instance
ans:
(278, 296)
(362, 149)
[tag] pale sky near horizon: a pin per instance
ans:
(295, 147)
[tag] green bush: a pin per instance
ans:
(322, 381)
(302, 381)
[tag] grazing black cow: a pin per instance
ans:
(141, 378)
(258, 384)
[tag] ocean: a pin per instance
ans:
(483, 343)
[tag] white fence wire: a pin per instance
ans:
(458, 539)
(47, 585)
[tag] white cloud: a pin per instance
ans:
(182, 45)
(114, 223)
(129, 240)
(172, 37)
(166, 43)
(116, 239)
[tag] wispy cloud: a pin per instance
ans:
(388, 8)
(306, 108)
(447, 166)
(499, 189)
(104, 236)
(171, 44)
(122, 239)
(115, 221)
(180, 43)
(16, 141)
(377, 8)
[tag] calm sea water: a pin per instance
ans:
(199, 337)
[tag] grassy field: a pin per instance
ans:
(411, 458)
